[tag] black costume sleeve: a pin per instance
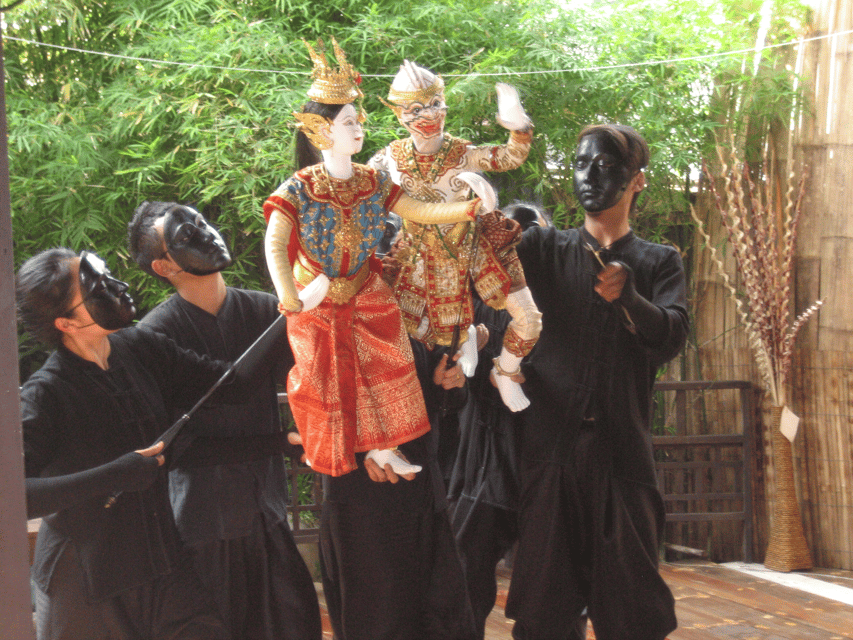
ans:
(262, 357)
(130, 472)
(668, 293)
(646, 318)
(208, 451)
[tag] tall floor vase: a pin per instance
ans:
(787, 550)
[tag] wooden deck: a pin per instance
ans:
(715, 602)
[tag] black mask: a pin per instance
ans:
(106, 299)
(600, 174)
(392, 228)
(193, 244)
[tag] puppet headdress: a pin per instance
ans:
(330, 86)
(413, 83)
(333, 86)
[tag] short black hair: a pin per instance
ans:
(526, 214)
(143, 240)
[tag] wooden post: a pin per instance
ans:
(15, 606)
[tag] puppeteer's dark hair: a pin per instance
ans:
(526, 214)
(143, 240)
(306, 153)
(633, 149)
(44, 291)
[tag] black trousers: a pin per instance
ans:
(484, 535)
(172, 607)
(389, 564)
(260, 584)
(588, 540)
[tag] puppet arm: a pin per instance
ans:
(442, 212)
(276, 243)
(520, 336)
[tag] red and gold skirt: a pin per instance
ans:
(354, 385)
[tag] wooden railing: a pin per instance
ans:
(702, 473)
(694, 477)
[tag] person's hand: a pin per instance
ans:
(484, 190)
(313, 294)
(295, 439)
(482, 336)
(611, 281)
(154, 451)
(511, 114)
(449, 378)
(386, 473)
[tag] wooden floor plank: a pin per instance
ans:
(715, 603)
(763, 597)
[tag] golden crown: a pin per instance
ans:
(333, 86)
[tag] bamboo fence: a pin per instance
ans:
(821, 390)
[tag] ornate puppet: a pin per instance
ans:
(354, 386)
(433, 266)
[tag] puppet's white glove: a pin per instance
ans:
(314, 292)
(511, 114)
(389, 456)
(507, 365)
(468, 359)
(482, 188)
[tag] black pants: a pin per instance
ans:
(172, 607)
(389, 563)
(260, 584)
(588, 540)
(484, 534)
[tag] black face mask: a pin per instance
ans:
(105, 298)
(600, 174)
(392, 228)
(194, 245)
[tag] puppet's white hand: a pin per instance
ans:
(482, 188)
(468, 359)
(314, 292)
(511, 114)
(389, 456)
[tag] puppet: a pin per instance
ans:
(434, 266)
(354, 386)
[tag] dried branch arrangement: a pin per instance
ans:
(762, 234)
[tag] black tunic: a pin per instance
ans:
(233, 515)
(76, 416)
(590, 510)
(218, 502)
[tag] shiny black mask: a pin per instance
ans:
(600, 174)
(194, 245)
(105, 298)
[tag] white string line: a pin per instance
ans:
(195, 65)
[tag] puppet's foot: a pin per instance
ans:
(389, 456)
(511, 392)
(506, 368)
(469, 357)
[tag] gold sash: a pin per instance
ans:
(340, 289)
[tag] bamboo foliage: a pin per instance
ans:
(761, 234)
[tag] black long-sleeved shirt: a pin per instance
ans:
(220, 501)
(77, 416)
(587, 364)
